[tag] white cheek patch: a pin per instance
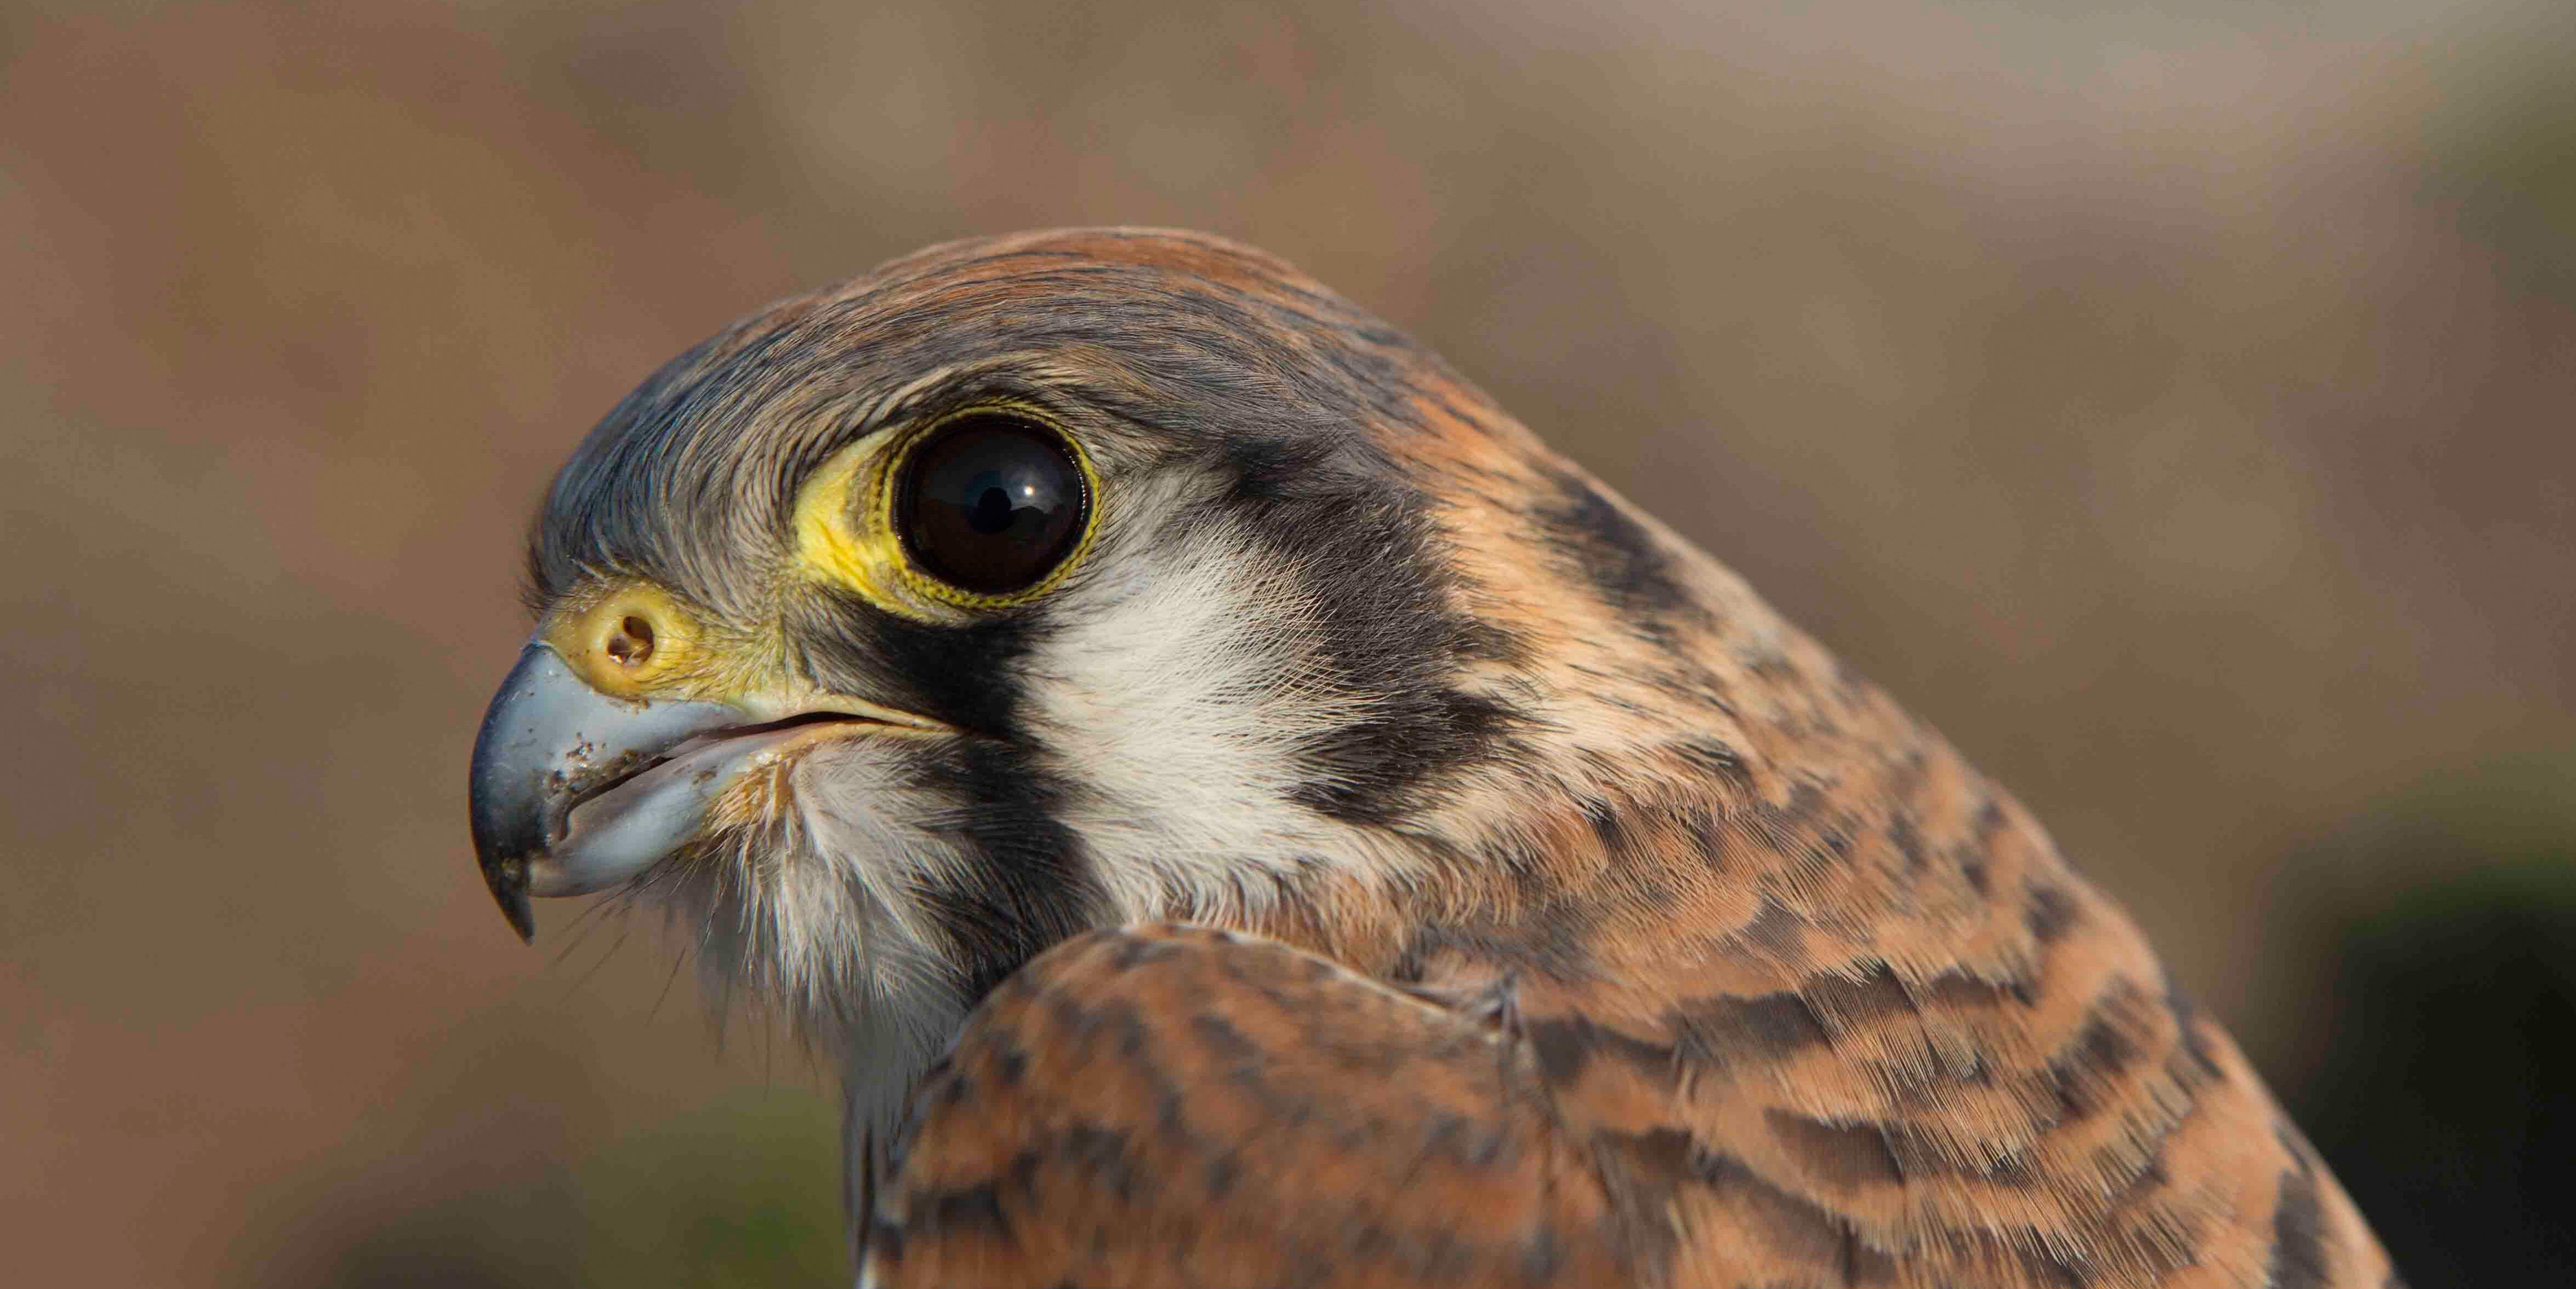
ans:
(815, 909)
(865, 821)
(1177, 698)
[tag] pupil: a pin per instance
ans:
(992, 513)
(991, 503)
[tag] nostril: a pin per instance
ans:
(632, 642)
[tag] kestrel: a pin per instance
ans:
(1242, 811)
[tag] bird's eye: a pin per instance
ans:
(990, 503)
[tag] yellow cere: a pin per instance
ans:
(846, 534)
(634, 640)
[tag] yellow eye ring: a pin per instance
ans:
(850, 521)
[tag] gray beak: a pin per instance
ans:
(550, 744)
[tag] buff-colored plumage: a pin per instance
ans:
(1439, 872)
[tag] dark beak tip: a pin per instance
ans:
(507, 879)
(521, 919)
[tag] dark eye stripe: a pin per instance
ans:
(991, 503)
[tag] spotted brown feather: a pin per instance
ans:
(1167, 1106)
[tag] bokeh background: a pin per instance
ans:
(2177, 404)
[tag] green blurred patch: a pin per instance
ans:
(2505, 150)
(743, 1192)
(2444, 1093)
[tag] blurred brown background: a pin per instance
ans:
(2179, 408)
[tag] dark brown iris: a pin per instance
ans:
(992, 503)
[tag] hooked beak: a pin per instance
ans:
(574, 791)
(550, 743)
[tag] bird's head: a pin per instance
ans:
(1030, 585)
